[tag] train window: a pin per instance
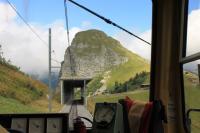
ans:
(193, 30)
(100, 62)
(131, 78)
(191, 66)
(192, 93)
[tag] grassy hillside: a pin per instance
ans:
(124, 72)
(137, 94)
(21, 93)
(9, 105)
(94, 84)
(132, 84)
(17, 85)
(192, 94)
(96, 41)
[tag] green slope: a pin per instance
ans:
(192, 100)
(19, 92)
(192, 94)
(126, 71)
(142, 95)
(9, 105)
(15, 84)
(97, 40)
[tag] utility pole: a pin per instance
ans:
(50, 90)
(199, 72)
(85, 93)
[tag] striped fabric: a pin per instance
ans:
(139, 114)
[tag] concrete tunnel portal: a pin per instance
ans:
(67, 90)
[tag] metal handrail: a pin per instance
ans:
(191, 110)
(188, 120)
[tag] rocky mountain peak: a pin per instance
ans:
(91, 53)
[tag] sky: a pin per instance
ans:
(28, 52)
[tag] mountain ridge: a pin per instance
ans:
(94, 52)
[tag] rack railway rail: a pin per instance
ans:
(76, 109)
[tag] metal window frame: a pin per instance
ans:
(184, 60)
(190, 58)
(182, 55)
(181, 34)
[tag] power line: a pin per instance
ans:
(67, 22)
(53, 51)
(29, 26)
(68, 49)
(55, 60)
(109, 21)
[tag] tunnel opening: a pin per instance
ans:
(74, 90)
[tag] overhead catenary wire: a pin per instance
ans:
(109, 21)
(55, 60)
(67, 22)
(28, 25)
(72, 64)
(55, 56)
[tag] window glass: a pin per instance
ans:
(132, 77)
(193, 39)
(192, 92)
(101, 63)
(192, 70)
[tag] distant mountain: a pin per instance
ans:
(93, 53)
(90, 53)
(54, 80)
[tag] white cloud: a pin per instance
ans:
(135, 45)
(24, 49)
(193, 40)
(6, 15)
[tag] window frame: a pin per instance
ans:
(184, 59)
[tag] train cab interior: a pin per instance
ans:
(167, 110)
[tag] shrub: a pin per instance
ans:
(131, 84)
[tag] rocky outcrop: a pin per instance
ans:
(91, 53)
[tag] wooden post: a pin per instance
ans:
(62, 91)
(85, 94)
(199, 72)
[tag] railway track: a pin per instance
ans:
(73, 113)
(74, 110)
